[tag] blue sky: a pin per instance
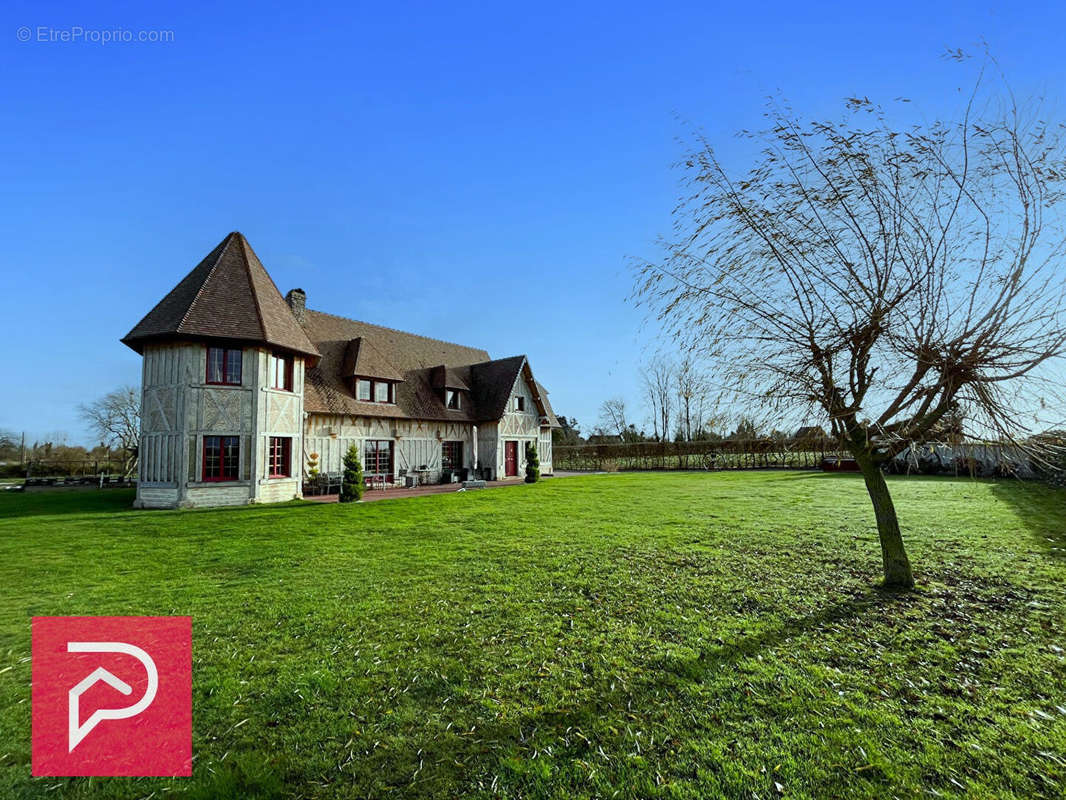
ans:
(477, 173)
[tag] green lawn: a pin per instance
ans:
(633, 635)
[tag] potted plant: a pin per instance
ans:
(352, 481)
(532, 463)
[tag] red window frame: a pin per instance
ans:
(279, 457)
(451, 455)
(232, 366)
(284, 374)
(222, 456)
(377, 455)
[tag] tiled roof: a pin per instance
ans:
(363, 360)
(445, 377)
(228, 295)
(410, 356)
(492, 382)
(425, 365)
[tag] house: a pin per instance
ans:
(808, 432)
(240, 387)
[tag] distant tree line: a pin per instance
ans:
(114, 418)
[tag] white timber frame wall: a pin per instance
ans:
(179, 408)
(523, 427)
(417, 443)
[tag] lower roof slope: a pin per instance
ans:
(418, 360)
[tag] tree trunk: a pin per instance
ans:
(898, 574)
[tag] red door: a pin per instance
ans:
(510, 459)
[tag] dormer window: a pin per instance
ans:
(452, 399)
(281, 372)
(369, 390)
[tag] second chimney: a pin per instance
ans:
(297, 300)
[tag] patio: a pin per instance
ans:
(395, 493)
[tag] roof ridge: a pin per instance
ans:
(397, 330)
(498, 360)
(251, 283)
(207, 277)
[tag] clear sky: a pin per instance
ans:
(477, 173)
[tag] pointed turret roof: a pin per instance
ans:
(228, 295)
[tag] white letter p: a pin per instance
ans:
(78, 732)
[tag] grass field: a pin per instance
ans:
(669, 635)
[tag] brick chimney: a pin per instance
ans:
(297, 300)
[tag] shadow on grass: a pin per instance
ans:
(53, 502)
(503, 746)
(1041, 508)
(89, 502)
(874, 599)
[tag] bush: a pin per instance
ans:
(532, 463)
(352, 481)
(12, 470)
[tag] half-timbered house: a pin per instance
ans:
(243, 390)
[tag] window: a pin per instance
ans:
(378, 459)
(451, 399)
(451, 455)
(374, 391)
(224, 366)
(520, 404)
(278, 460)
(221, 457)
(281, 372)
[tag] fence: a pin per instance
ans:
(976, 459)
(710, 455)
(76, 468)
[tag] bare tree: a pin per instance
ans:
(692, 399)
(657, 377)
(10, 449)
(887, 280)
(116, 419)
(613, 416)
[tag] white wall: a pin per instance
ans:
(179, 408)
(415, 443)
(523, 427)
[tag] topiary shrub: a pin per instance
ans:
(532, 463)
(352, 480)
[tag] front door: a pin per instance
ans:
(510, 459)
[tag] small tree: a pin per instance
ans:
(352, 482)
(532, 463)
(886, 280)
(613, 417)
(658, 379)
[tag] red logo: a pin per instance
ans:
(112, 696)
